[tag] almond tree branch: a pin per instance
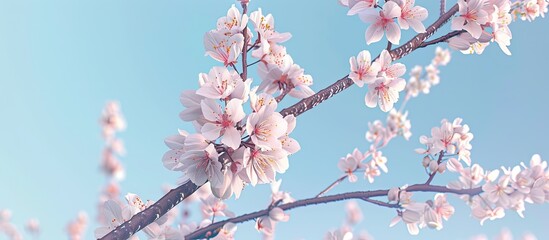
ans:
(441, 39)
(362, 195)
(345, 82)
(175, 196)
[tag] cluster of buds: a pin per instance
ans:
(7, 227)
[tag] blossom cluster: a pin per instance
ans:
(267, 224)
(7, 227)
(383, 78)
(510, 191)
(77, 227)
(383, 21)
(232, 148)
(486, 21)
(418, 215)
(420, 81)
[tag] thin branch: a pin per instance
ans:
(152, 213)
(432, 175)
(336, 182)
(442, 7)
(244, 74)
(251, 64)
(383, 204)
(442, 38)
(327, 199)
(345, 82)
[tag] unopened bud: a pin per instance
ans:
(433, 166)
(426, 161)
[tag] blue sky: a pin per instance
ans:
(62, 60)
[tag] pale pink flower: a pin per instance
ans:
(156, 231)
(289, 144)
(387, 69)
(363, 70)
(223, 123)
(114, 215)
(262, 166)
(219, 83)
(382, 22)
(384, 91)
(500, 192)
(223, 48)
(371, 171)
(532, 10)
(442, 57)
(171, 158)
(442, 207)
(357, 6)
(192, 112)
(227, 232)
(266, 127)
(350, 164)
(265, 225)
(399, 124)
(411, 16)
(202, 165)
(232, 183)
(340, 234)
(265, 26)
(277, 195)
(377, 132)
(234, 22)
(215, 207)
(379, 160)
(77, 227)
(472, 16)
(353, 213)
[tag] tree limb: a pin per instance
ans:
(175, 196)
(362, 195)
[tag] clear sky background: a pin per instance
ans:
(62, 60)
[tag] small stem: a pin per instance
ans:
(251, 64)
(441, 39)
(336, 182)
(286, 90)
(432, 175)
(332, 198)
(383, 204)
(244, 74)
(442, 7)
(389, 45)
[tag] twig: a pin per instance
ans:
(432, 175)
(307, 104)
(442, 7)
(327, 199)
(442, 38)
(336, 182)
(244, 74)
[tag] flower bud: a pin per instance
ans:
(426, 161)
(433, 166)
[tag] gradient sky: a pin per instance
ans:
(62, 60)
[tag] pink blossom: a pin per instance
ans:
(384, 91)
(472, 16)
(219, 83)
(266, 127)
(362, 69)
(411, 16)
(222, 123)
(202, 165)
(382, 22)
(223, 48)
(350, 164)
(357, 6)
(234, 22)
(261, 166)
